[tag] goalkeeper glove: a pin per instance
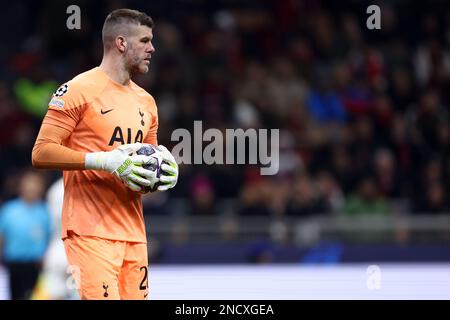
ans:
(169, 170)
(124, 165)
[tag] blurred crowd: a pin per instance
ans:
(363, 114)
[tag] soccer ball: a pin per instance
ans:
(155, 152)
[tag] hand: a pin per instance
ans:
(124, 165)
(169, 170)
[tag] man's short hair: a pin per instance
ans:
(117, 22)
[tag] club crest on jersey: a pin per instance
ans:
(142, 117)
(61, 90)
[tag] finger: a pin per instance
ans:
(133, 186)
(143, 172)
(167, 179)
(139, 180)
(131, 147)
(169, 168)
(169, 157)
(163, 187)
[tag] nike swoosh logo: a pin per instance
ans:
(105, 112)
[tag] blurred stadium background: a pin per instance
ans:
(364, 139)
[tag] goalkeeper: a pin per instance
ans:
(94, 125)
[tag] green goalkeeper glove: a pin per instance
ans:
(169, 170)
(124, 164)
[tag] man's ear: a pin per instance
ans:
(121, 43)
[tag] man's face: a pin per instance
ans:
(31, 187)
(139, 49)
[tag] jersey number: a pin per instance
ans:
(144, 282)
(118, 136)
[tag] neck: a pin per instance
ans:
(115, 70)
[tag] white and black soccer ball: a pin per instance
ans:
(155, 152)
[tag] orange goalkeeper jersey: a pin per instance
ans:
(100, 115)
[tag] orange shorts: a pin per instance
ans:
(107, 269)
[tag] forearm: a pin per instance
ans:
(49, 153)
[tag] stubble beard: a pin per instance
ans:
(137, 67)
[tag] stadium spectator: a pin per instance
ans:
(347, 100)
(25, 230)
(367, 200)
